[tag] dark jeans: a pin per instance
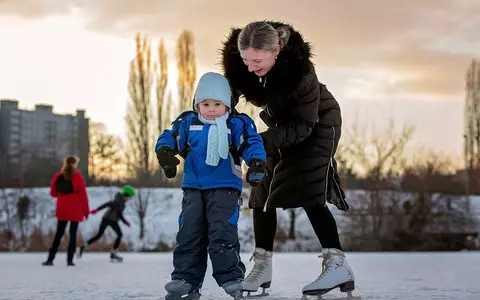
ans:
(72, 242)
(101, 230)
(322, 220)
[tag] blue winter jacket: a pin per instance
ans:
(188, 137)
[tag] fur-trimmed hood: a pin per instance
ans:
(293, 63)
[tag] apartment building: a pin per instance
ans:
(35, 141)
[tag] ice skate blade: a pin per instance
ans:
(346, 287)
(175, 296)
(318, 296)
(249, 295)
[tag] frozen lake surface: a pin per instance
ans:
(405, 276)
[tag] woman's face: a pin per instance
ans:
(259, 61)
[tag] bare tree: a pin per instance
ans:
(139, 116)
(167, 111)
(162, 81)
(140, 206)
(187, 71)
(380, 158)
(105, 154)
(139, 123)
(293, 213)
(428, 212)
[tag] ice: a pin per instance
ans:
(423, 276)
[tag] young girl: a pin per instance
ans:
(213, 139)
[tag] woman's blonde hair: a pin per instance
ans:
(69, 165)
(262, 36)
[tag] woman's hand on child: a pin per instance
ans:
(256, 171)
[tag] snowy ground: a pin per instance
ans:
(382, 276)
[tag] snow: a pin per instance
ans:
(162, 215)
(385, 276)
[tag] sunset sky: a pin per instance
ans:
(404, 60)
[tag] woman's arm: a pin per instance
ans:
(301, 117)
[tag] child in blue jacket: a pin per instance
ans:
(213, 139)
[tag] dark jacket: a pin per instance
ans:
(304, 123)
(115, 209)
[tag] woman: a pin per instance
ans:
(68, 186)
(269, 64)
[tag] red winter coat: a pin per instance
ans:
(73, 206)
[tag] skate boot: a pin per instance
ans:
(51, 257)
(81, 249)
(261, 274)
(181, 290)
(335, 273)
(114, 257)
(234, 288)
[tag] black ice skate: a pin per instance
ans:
(114, 257)
(80, 251)
(181, 290)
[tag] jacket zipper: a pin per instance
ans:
(330, 163)
(273, 176)
(270, 188)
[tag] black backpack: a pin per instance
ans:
(63, 185)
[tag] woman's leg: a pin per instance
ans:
(335, 271)
(72, 242)
(56, 240)
(325, 226)
(264, 227)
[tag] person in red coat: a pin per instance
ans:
(68, 186)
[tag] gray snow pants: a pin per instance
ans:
(208, 225)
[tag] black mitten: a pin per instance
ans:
(167, 160)
(255, 172)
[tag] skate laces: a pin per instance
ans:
(326, 266)
(258, 267)
(256, 272)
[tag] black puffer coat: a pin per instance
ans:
(304, 123)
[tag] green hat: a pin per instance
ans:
(128, 191)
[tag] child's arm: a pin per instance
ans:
(123, 219)
(175, 138)
(104, 205)
(251, 143)
(170, 143)
(252, 150)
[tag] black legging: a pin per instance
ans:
(322, 220)
(101, 230)
(72, 241)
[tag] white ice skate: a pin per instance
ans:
(261, 274)
(335, 273)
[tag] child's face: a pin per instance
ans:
(211, 109)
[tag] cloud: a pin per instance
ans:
(428, 43)
(35, 8)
